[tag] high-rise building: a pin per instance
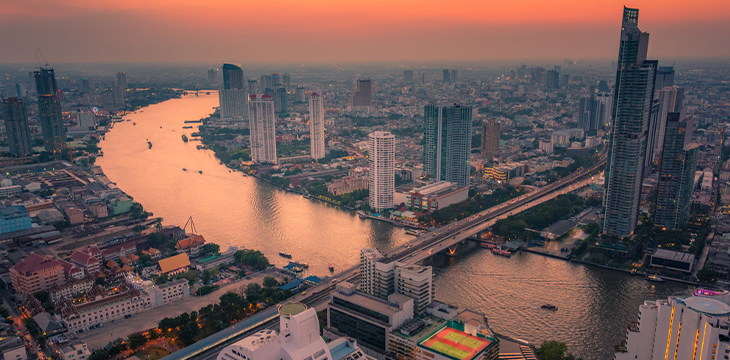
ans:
(362, 97)
(694, 328)
(232, 77)
(266, 82)
(122, 80)
(316, 126)
(490, 139)
(301, 94)
(253, 87)
(286, 79)
(275, 80)
(447, 135)
(595, 111)
(262, 123)
(664, 77)
(447, 76)
(16, 127)
(45, 82)
(453, 76)
(552, 80)
(85, 86)
(381, 157)
(664, 103)
(676, 176)
(19, 90)
(633, 99)
(281, 100)
(118, 96)
(233, 104)
(565, 81)
(408, 76)
(54, 133)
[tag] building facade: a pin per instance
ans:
(36, 273)
(233, 104)
(262, 123)
(16, 127)
(490, 139)
(316, 126)
(232, 77)
(447, 136)
(362, 97)
(381, 158)
(54, 133)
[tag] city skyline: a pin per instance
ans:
(162, 35)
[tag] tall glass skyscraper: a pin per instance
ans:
(16, 127)
(232, 98)
(232, 77)
(676, 176)
(634, 95)
(49, 111)
(447, 133)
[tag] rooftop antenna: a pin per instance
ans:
(43, 57)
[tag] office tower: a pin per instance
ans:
(16, 127)
(265, 82)
(565, 81)
(490, 139)
(85, 86)
(300, 94)
(232, 77)
(281, 100)
(595, 111)
(122, 80)
(552, 80)
(233, 104)
(557, 68)
(381, 157)
(286, 79)
(54, 133)
(633, 98)
(253, 87)
(362, 97)
(118, 96)
(447, 76)
(408, 76)
(447, 135)
(679, 100)
(676, 176)
(603, 87)
(453, 76)
(664, 77)
(212, 75)
(664, 104)
(316, 126)
(275, 81)
(262, 123)
(45, 82)
(691, 328)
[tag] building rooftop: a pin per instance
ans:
(34, 263)
(173, 263)
(292, 309)
(455, 344)
(673, 255)
(707, 305)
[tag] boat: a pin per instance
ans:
(134, 124)
(331, 267)
(361, 215)
(501, 252)
(129, 120)
(149, 144)
(654, 278)
(488, 245)
(301, 264)
(101, 154)
(185, 138)
(550, 307)
(200, 171)
(412, 232)
(187, 127)
(193, 121)
(160, 127)
(184, 169)
(285, 254)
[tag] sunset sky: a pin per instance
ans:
(351, 30)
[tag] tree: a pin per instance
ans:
(157, 239)
(255, 259)
(191, 276)
(211, 249)
(270, 282)
(553, 350)
(100, 281)
(137, 340)
(161, 279)
(209, 274)
(41, 296)
(100, 354)
(707, 275)
(252, 292)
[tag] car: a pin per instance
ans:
(334, 280)
(442, 244)
(304, 293)
(354, 272)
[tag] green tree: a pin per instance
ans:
(101, 354)
(255, 259)
(41, 296)
(252, 292)
(553, 350)
(136, 341)
(211, 249)
(208, 274)
(707, 275)
(157, 239)
(161, 279)
(270, 282)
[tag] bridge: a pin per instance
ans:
(416, 250)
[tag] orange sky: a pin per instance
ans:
(351, 30)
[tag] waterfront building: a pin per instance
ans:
(381, 157)
(408, 76)
(35, 273)
(633, 98)
(490, 139)
(362, 97)
(431, 197)
(16, 127)
(14, 218)
(191, 245)
(382, 278)
(122, 79)
(673, 260)
(316, 126)
(447, 136)
(366, 318)
(695, 327)
(233, 104)
(676, 174)
(263, 128)
(232, 77)
(54, 133)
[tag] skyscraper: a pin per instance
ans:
(664, 104)
(447, 76)
(45, 82)
(381, 157)
(447, 135)
(408, 76)
(54, 133)
(453, 76)
(490, 139)
(232, 77)
(253, 87)
(233, 104)
(676, 176)
(118, 96)
(627, 150)
(362, 97)
(300, 94)
(595, 111)
(16, 127)
(552, 80)
(281, 100)
(664, 77)
(286, 79)
(122, 80)
(263, 128)
(85, 86)
(316, 126)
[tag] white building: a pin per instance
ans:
(381, 146)
(74, 352)
(546, 146)
(316, 125)
(232, 104)
(263, 128)
(431, 197)
(298, 339)
(691, 328)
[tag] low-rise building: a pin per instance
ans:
(115, 253)
(191, 245)
(74, 352)
(169, 291)
(153, 253)
(97, 208)
(36, 273)
(347, 185)
(673, 260)
(432, 197)
(74, 215)
(13, 348)
(174, 264)
(70, 288)
(14, 218)
(102, 307)
(85, 261)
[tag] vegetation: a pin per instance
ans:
(138, 212)
(538, 217)
(318, 188)
(708, 276)
(205, 290)
(333, 154)
(553, 350)
(471, 206)
(255, 259)
(211, 249)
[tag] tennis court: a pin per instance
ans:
(454, 343)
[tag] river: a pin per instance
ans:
(232, 210)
